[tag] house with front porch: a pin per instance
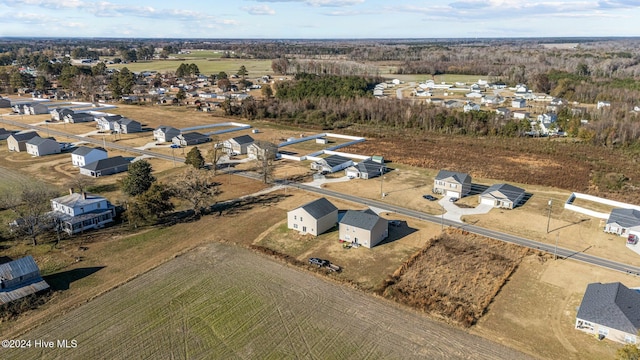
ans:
(623, 222)
(504, 196)
(77, 212)
(452, 184)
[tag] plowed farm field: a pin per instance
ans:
(221, 301)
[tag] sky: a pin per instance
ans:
(319, 19)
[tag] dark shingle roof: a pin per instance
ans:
(624, 217)
(365, 219)
(372, 168)
(84, 150)
(244, 139)
(612, 305)
(107, 163)
(460, 177)
(37, 140)
(319, 208)
(509, 191)
(335, 160)
(25, 136)
(193, 136)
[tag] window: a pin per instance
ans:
(453, 186)
(630, 339)
(295, 217)
(295, 226)
(603, 331)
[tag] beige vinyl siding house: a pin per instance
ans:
(38, 146)
(313, 218)
(18, 142)
(364, 228)
(503, 196)
(451, 183)
(610, 311)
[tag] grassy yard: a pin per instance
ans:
(207, 66)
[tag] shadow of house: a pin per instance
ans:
(62, 280)
(398, 232)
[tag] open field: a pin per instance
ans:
(255, 68)
(185, 309)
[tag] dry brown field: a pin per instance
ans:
(540, 295)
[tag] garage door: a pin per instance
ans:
(453, 194)
(487, 201)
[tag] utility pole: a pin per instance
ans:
(549, 215)
(381, 181)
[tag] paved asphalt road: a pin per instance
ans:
(560, 252)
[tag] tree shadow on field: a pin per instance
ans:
(62, 280)
(236, 206)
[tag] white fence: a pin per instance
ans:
(569, 205)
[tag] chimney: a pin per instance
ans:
(70, 191)
(84, 195)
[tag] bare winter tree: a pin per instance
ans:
(197, 187)
(214, 154)
(265, 158)
(80, 183)
(30, 205)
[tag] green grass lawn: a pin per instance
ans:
(207, 66)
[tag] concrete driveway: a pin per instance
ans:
(454, 212)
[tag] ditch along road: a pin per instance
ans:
(560, 252)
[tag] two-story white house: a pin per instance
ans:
(77, 212)
(84, 155)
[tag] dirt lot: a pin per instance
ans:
(455, 276)
(259, 308)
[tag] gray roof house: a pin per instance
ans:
(19, 278)
(127, 126)
(58, 114)
(84, 155)
(258, 150)
(38, 146)
(78, 118)
(364, 228)
(18, 141)
(623, 222)
(4, 133)
(313, 218)
(611, 311)
(332, 163)
(366, 169)
(165, 133)
(503, 196)
(451, 183)
(79, 212)
(190, 138)
(37, 108)
(238, 144)
(107, 122)
(108, 166)
(5, 103)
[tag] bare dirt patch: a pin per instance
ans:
(455, 276)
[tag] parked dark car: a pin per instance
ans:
(453, 199)
(430, 197)
(319, 262)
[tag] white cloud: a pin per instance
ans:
(318, 3)
(259, 10)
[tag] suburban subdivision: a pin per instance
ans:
(200, 201)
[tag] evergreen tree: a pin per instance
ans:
(139, 178)
(194, 158)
